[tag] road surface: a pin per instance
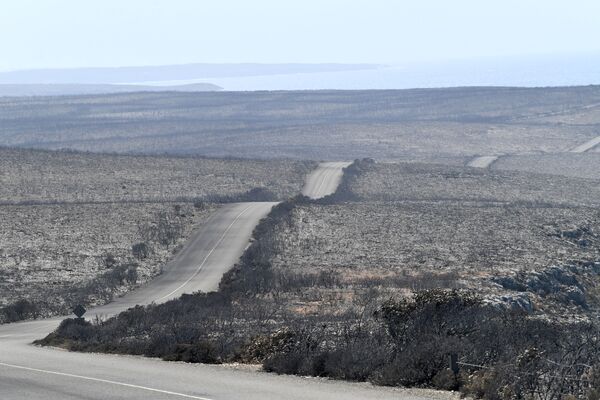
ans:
(487, 161)
(29, 372)
(590, 144)
(324, 180)
(482, 161)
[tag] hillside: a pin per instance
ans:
(37, 176)
(20, 90)
(166, 72)
(405, 265)
(83, 228)
(432, 125)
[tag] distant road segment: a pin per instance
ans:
(590, 144)
(482, 161)
(211, 251)
(324, 180)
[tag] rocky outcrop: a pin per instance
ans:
(559, 283)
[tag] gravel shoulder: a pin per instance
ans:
(54, 255)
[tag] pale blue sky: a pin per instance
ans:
(75, 33)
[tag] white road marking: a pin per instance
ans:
(208, 255)
(310, 184)
(88, 378)
(325, 176)
(320, 177)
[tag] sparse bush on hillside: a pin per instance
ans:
(391, 341)
(19, 310)
(351, 174)
(85, 253)
(254, 194)
(442, 183)
(140, 250)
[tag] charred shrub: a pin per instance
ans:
(284, 363)
(445, 379)
(75, 329)
(20, 310)
(201, 352)
(254, 194)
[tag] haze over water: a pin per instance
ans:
(527, 72)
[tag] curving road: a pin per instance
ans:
(482, 161)
(29, 372)
(487, 161)
(208, 254)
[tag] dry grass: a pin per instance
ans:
(416, 226)
(436, 182)
(584, 165)
(365, 242)
(448, 124)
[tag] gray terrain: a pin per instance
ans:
(576, 165)
(412, 226)
(167, 72)
(53, 374)
(33, 176)
(431, 125)
(68, 237)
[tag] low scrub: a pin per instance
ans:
(407, 342)
(375, 335)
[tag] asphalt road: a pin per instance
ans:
(30, 372)
(590, 144)
(324, 180)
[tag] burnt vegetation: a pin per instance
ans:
(315, 322)
(414, 274)
(422, 124)
(81, 227)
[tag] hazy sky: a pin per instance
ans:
(73, 33)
